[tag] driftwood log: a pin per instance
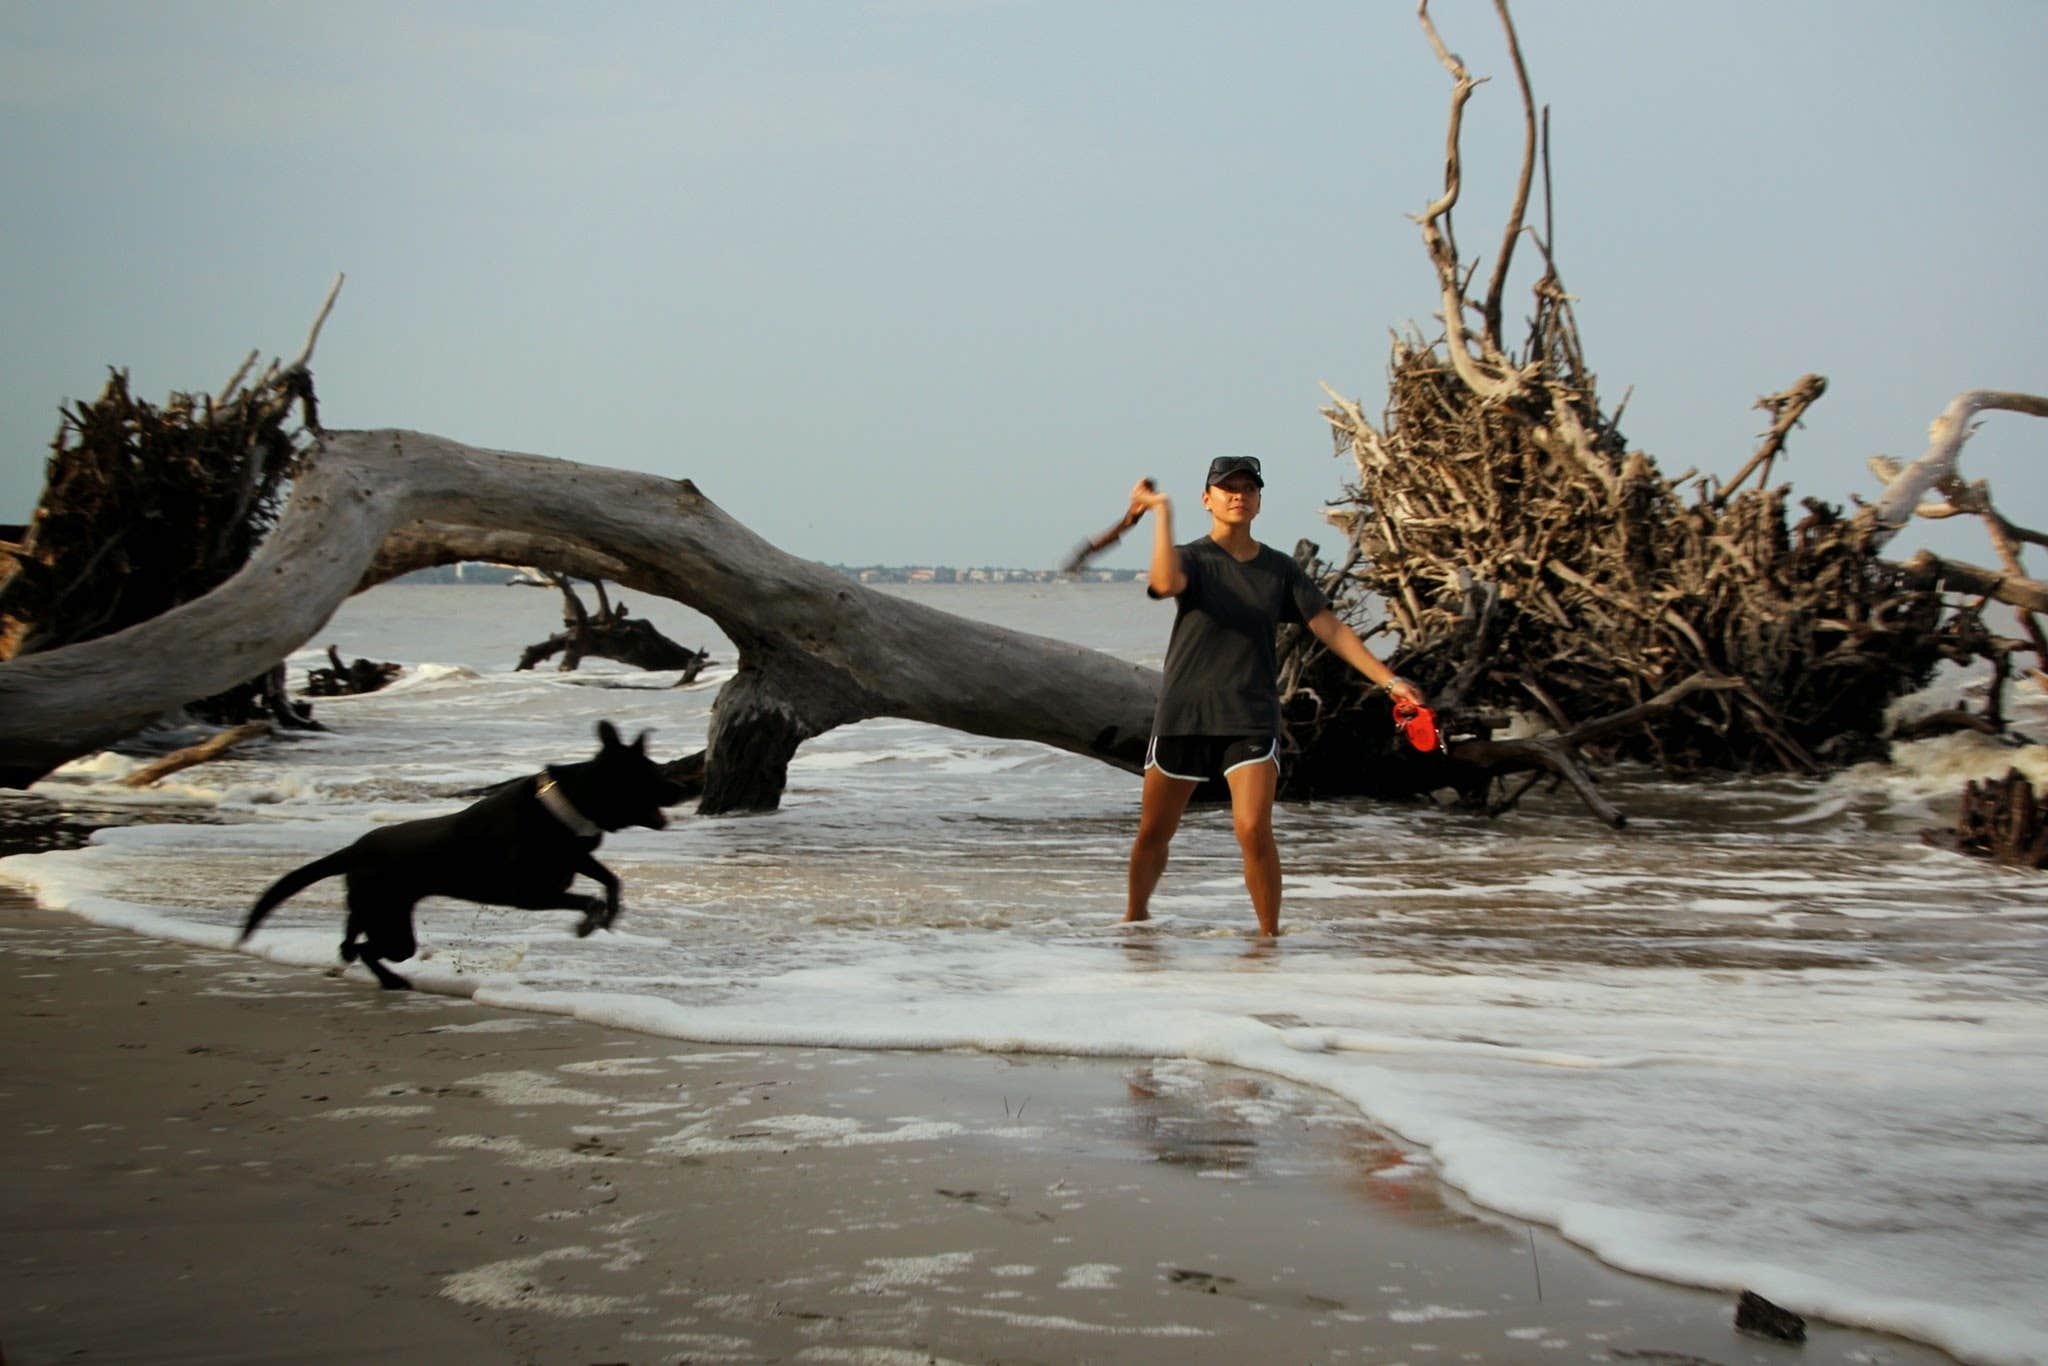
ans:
(1755, 1314)
(341, 679)
(210, 748)
(2002, 819)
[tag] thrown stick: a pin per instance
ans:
(1095, 545)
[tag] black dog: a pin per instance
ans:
(520, 846)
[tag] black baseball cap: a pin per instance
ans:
(1223, 466)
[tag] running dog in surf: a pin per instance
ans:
(520, 846)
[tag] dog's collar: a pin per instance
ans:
(560, 807)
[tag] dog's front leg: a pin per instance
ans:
(595, 919)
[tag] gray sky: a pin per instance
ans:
(935, 280)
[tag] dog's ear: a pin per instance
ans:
(640, 743)
(608, 735)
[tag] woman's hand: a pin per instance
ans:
(1405, 691)
(1145, 496)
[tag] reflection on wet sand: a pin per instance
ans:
(1186, 1124)
(1221, 1123)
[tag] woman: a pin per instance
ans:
(1219, 713)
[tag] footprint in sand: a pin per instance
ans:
(1210, 1283)
(996, 1202)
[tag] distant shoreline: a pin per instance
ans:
(475, 572)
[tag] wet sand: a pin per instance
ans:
(211, 1158)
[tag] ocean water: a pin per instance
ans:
(1766, 1037)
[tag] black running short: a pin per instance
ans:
(1194, 758)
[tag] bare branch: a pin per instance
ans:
(1946, 437)
(319, 321)
(1789, 405)
(2013, 589)
(227, 390)
(1488, 378)
(1513, 230)
(1548, 753)
(210, 748)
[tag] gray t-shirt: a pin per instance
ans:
(1220, 664)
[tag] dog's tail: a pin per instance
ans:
(294, 882)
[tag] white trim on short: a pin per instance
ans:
(1271, 756)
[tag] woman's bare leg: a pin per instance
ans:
(1251, 813)
(1159, 815)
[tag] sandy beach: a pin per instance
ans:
(210, 1158)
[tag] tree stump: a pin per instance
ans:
(2000, 819)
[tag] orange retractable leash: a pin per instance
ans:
(1418, 723)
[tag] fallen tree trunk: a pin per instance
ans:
(816, 650)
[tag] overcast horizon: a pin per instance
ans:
(933, 281)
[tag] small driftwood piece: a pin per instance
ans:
(609, 633)
(2000, 819)
(352, 679)
(210, 748)
(1755, 1314)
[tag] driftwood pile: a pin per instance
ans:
(1533, 565)
(145, 508)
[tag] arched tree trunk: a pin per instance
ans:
(816, 650)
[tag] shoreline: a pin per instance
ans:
(216, 1157)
